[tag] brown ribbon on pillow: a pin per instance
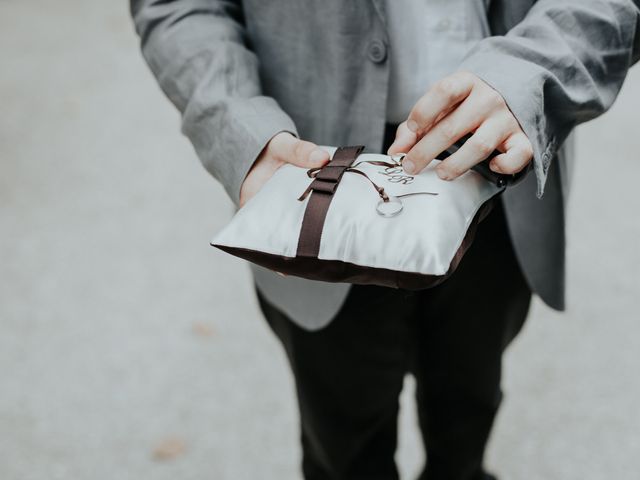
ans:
(322, 189)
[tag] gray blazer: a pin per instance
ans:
(242, 71)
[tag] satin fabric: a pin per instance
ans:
(423, 238)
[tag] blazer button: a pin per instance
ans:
(377, 51)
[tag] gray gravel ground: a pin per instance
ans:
(130, 349)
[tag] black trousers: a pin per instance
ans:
(451, 338)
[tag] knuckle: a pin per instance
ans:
(492, 101)
(527, 150)
(415, 115)
(299, 150)
(483, 146)
(465, 76)
(507, 121)
(497, 99)
(448, 130)
(447, 88)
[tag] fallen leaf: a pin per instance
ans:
(203, 330)
(169, 449)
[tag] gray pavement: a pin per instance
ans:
(130, 349)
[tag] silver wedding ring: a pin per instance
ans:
(390, 208)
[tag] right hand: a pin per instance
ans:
(282, 148)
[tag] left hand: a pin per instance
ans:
(455, 106)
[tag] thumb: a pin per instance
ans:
(301, 153)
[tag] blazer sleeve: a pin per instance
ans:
(196, 49)
(562, 65)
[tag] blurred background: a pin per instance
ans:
(130, 349)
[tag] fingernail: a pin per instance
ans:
(412, 125)
(494, 166)
(408, 166)
(442, 174)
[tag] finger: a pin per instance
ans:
(442, 96)
(518, 155)
(405, 139)
(259, 174)
(290, 149)
(464, 119)
(486, 139)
